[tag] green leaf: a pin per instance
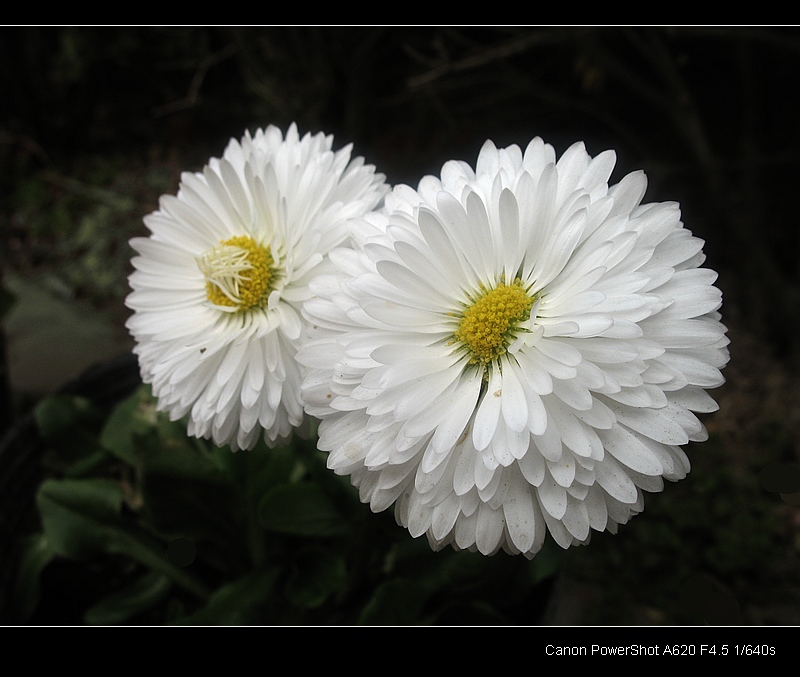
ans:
(36, 554)
(82, 518)
(69, 423)
(61, 414)
(247, 601)
(257, 471)
(7, 301)
(396, 602)
(79, 516)
(302, 510)
(546, 564)
(91, 465)
(316, 576)
(201, 511)
(146, 439)
(167, 450)
(134, 416)
(117, 435)
(119, 607)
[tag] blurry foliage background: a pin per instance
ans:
(97, 123)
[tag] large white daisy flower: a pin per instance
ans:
(514, 350)
(218, 285)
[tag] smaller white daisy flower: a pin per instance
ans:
(218, 285)
(514, 350)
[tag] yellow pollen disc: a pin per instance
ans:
(238, 272)
(487, 326)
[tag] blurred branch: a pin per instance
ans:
(27, 144)
(197, 82)
(764, 35)
(679, 102)
(487, 55)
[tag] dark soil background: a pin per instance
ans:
(97, 123)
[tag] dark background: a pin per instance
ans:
(96, 123)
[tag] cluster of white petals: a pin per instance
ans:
(509, 350)
(219, 284)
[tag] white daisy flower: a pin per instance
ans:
(514, 350)
(218, 285)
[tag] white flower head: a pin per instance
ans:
(219, 284)
(515, 349)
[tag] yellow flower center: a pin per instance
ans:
(487, 326)
(238, 272)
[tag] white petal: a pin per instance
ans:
(581, 415)
(514, 403)
(488, 412)
(230, 371)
